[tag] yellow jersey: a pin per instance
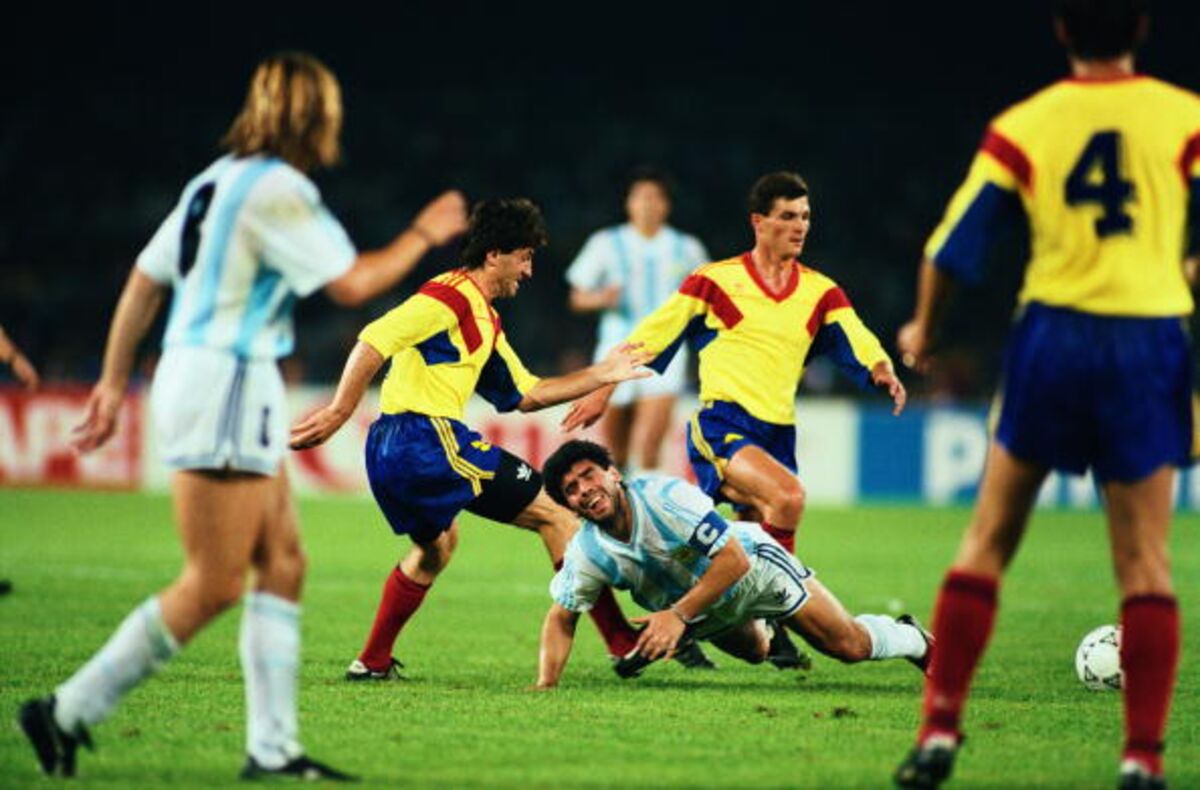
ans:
(445, 342)
(1104, 172)
(752, 343)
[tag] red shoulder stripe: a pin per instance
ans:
(462, 309)
(1191, 152)
(1007, 153)
(706, 290)
(832, 299)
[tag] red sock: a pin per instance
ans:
(615, 630)
(785, 537)
(1149, 655)
(962, 623)
(401, 598)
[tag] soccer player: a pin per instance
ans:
(20, 365)
(624, 272)
(1105, 168)
(753, 321)
(660, 538)
(424, 464)
(248, 237)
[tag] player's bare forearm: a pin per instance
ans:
(588, 409)
(916, 337)
(583, 301)
(558, 636)
(361, 366)
(623, 363)
(135, 313)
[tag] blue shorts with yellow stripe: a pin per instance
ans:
(425, 470)
(720, 429)
(1110, 394)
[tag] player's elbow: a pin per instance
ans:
(349, 290)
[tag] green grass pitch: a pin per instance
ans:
(80, 561)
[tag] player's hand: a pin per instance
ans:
(99, 418)
(25, 372)
(444, 218)
(625, 362)
(585, 411)
(317, 427)
(609, 298)
(913, 340)
(882, 375)
(661, 635)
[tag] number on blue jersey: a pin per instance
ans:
(189, 243)
(1113, 191)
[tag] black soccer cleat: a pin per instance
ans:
(55, 747)
(359, 671)
(926, 766)
(631, 664)
(921, 663)
(1135, 777)
(689, 654)
(783, 653)
(302, 769)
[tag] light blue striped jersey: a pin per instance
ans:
(648, 270)
(675, 532)
(247, 238)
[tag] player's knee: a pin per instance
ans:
(789, 503)
(435, 556)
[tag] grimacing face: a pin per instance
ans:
(512, 268)
(784, 230)
(592, 491)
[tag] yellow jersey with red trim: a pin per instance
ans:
(445, 342)
(752, 343)
(1107, 175)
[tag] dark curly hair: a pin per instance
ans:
(562, 459)
(504, 224)
(1102, 29)
(771, 187)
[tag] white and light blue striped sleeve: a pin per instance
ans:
(694, 516)
(695, 251)
(595, 265)
(159, 259)
(578, 583)
(295, 233)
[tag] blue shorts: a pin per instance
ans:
(425, 470)
(722, 428)
(1085, 391)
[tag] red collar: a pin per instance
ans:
(788, 289)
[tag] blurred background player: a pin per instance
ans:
(248, 237)
(624, 272)
(424, 464)
(701, 576)
(1105, 168)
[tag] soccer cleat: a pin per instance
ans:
(630, 665)
(921, 663)
(689, 654)
(783, 653)
(927, 765)
(301, 768)
(1134, 776)
(54, 746)
(360, 671)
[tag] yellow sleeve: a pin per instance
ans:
(417, 318)
(682, 316)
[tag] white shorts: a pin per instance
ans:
(212, 410)
(772, 589)
(670, 382)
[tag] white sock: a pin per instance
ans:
(269, 646)
(140, 645)
(890, 639)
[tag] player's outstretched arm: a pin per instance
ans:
(585, 301)
(21, 367)
(622, 364)
(664, 629)
(915, 339)
(558, 636)
(361, 366)
(374, 272)
(585, 411)
(136, 309)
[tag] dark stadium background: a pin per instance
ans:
(880, 105)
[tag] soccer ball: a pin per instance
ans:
(1098, 659)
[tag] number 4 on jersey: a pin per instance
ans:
(1112, 191)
